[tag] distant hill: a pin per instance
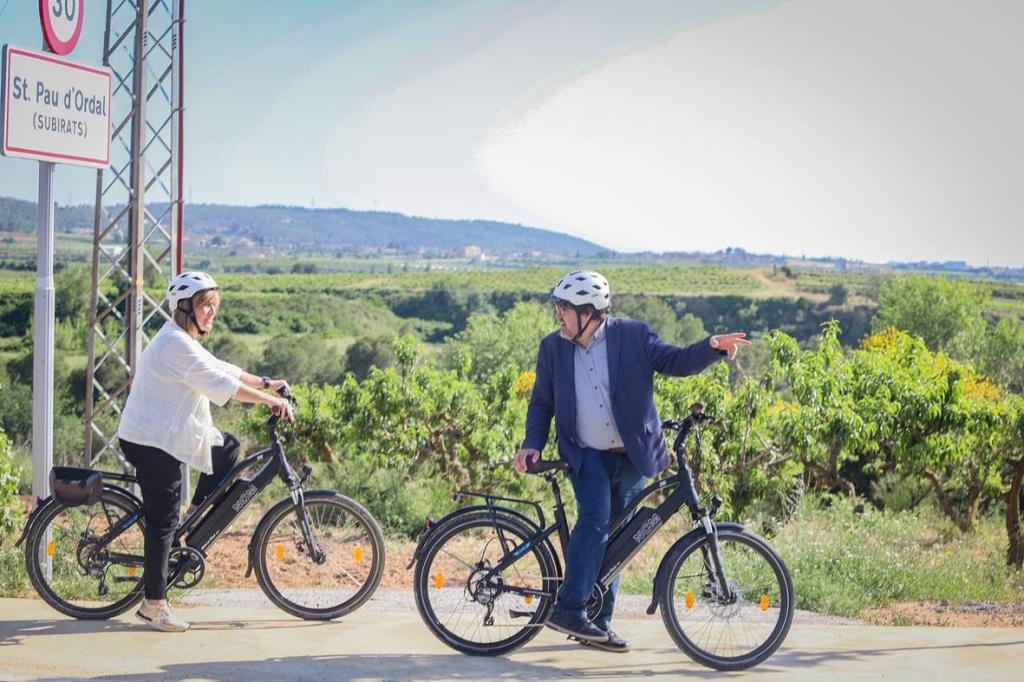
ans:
(304, 229)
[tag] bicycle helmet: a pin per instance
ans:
(188, 284)
(584, 287)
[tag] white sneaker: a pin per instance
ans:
(161, 618)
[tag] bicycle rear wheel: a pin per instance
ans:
(86, 578)
(465, 604)
(351, 541)
(728, 633)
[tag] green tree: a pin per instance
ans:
(302, 358)
(1002, 354)
(690, 330)
(367, 352)
(492, 342)
(410, 427)
(946, 313)
(937, 419)
(228, 347)
(9, 506)
(72, 287)
(824, 421)
(656, 313)
(1012, 446)
(838, 294)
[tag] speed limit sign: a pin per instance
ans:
(62, 23)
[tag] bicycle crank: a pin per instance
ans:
(188, 566)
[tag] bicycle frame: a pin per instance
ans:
(630, 531)
(227, 500)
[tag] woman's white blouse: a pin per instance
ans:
(169, 404)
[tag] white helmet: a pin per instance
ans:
(188, 284)
(583, 287)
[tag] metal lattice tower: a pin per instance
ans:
(138, 219)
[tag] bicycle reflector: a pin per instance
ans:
(358, 554)
(51, 548)
(279, 552)
(689, 600)
(439, 580)
(132, 570)
(764, 602)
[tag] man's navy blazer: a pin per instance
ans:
(635, 353)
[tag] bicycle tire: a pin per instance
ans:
(283, 579)
(68, 576)
(538, 571)
(754, 571)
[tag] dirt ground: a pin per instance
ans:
(967, 614)
(228, 558)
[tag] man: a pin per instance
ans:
(595, 376)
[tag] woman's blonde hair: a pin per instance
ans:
(181, 313)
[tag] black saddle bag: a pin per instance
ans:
(75, 487)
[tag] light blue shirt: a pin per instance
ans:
(595, 423)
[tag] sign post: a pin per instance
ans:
(53, 111)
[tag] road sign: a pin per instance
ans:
(54, 110)
(62, 23)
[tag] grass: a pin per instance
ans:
(843, 563)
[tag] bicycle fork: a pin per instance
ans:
(313, 549)
(713, 561)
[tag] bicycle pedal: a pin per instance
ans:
(512, 613)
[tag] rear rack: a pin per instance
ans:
(490, 499)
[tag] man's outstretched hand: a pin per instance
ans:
(730, 343)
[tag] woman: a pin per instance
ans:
(166, 421)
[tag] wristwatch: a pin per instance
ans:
(266, 382)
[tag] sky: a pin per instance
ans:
(867, 129)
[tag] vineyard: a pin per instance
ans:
(896, 395)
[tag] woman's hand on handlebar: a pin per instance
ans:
(277, 384)
(280, 407)
(524, 457)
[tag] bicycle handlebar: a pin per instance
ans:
(544, 465)
(285, 393)
(697, 416)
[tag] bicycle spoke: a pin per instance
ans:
(467, 602)
(351, 566)
(83, 580)
(728, 629)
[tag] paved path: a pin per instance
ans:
(254, 644)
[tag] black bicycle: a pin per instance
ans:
(317, 554)
(487, 574)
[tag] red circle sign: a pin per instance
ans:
(62, 23)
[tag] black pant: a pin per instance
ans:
(224, 458)
(159, 477)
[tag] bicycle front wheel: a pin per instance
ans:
(734, 631)
(75, 570)
(353, 557)
(469, 606)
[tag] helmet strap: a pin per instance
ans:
(580, 327)
(200, 330)
(186, 305)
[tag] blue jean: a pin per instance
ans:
(604, 485)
